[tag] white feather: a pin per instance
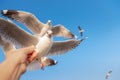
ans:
(5, 11)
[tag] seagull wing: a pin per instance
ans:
(110, 72)
(63, 46)
(60, 30)
(6, 46)
(15, 35)
(79, 28)
(26, 18)
(81, 33)
(107, 76)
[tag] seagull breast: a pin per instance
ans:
(44, 45)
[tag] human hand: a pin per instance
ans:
(23, 55)
(16, 62)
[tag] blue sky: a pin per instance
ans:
(94, 57)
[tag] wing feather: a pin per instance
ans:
(60, 30)
(6, 46)
(63, 46)
(15, 35)
(26, 18)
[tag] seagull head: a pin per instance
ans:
(49, 22)
(49, 33)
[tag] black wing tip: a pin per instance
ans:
(79, 27)
(1, 11)
(110, 71)
(73, 36)
(8, 13)
(76, 44)
(4, 11)
(81, 34)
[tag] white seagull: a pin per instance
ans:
(35, 25)
(44, 45)
(80, 30)
(108, 75)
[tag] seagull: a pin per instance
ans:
(80, 30)
(35, 25)
(44, 45)
(108, 75)
(7, 46)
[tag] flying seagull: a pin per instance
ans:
(35, 25)
(42, 47)
(80, 30)
(14, 34)
(108, 75)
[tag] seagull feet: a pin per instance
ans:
(42, 65)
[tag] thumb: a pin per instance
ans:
(30, 52)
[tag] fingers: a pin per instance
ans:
(30, 53)
(28, 50)
(33, 56)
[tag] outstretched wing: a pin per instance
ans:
(63, 46)
(15, 35)
(26, 18)
(60, 30)
(80, 30)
